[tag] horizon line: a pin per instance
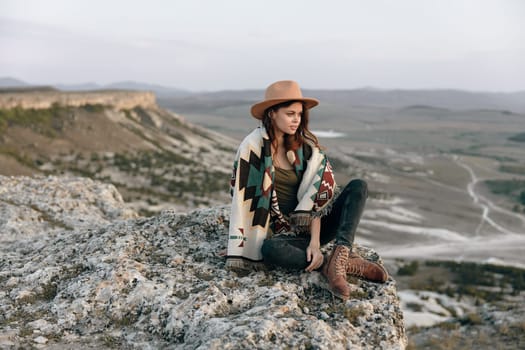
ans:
(25, 84)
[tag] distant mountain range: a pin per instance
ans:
(186, 100)
(11, 82)
(160, 91)
(395, 99)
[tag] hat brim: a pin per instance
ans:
(258, 109)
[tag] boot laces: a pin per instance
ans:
(341, 260)
(356, 269)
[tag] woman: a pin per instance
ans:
(284, 203)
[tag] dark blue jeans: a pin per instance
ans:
(340, 224)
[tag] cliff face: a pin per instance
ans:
(154, 157)
(45, 99)
(78, 269)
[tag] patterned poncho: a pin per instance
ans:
(254, 199)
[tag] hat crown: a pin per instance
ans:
(281, 91)
(284, 89)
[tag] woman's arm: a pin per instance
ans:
(315, 231)
(313, 254)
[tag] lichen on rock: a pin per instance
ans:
(120, 281)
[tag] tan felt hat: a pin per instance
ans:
(281, 91)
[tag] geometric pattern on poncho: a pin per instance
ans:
(256, 181)
(326, 186)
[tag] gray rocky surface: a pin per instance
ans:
(78, 270)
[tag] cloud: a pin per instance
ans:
(202, 54)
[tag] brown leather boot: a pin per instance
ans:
(357, 266)
(335, 271)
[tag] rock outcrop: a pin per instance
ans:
(79, 270)
(155, 158)
(39, 99)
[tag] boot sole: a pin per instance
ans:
(340, 296)
(367, 279)
(326, 286)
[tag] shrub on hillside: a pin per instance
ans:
(44, 121)
(518, 137)
(513, 188)
(408, 269)
(469, 275)
(93, 107)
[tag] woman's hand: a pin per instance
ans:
(313, 254)
(314, 257)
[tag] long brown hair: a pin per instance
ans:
(291, 142)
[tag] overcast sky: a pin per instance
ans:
(237, 44)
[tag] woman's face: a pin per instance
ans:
(286, 120)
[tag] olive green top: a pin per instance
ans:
(286, 185)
